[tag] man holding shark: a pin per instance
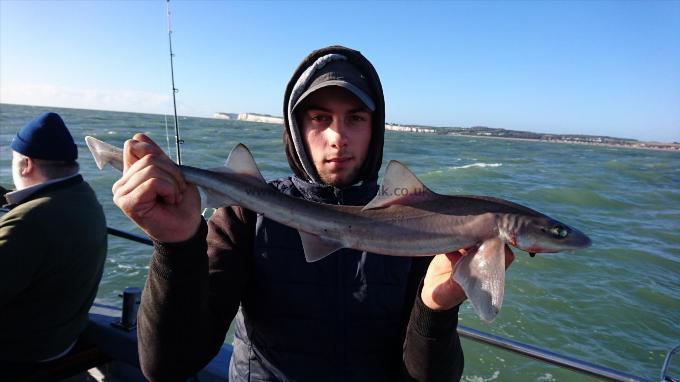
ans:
(351, 316)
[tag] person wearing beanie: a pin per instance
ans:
(352, 316)
(53, 243)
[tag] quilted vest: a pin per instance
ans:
(337, 319)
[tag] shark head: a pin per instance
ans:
(547, 235)
(482, 274)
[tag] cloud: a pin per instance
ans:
(101, 99)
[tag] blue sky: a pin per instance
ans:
(602, 68)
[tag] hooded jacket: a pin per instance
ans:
(348, 317)
(342, 317)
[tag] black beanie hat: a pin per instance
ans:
(46, 137)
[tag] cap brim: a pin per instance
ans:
(363, 97)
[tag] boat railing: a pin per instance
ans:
(666, 364)
(513, 346)
(548, 356)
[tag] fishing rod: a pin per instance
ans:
(178, 141)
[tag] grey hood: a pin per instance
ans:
(296, 154)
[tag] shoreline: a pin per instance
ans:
(671, 147)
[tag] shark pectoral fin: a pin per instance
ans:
(316, 248)
(241, 161)
(212, 199)
(482, 277)
(399, 186)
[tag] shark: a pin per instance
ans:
(404, 219)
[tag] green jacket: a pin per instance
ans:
(52, 252)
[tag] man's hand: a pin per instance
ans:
(153, 193)
(440, 292)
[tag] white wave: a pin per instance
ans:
(433, 172)
(477, 378)
(478, 164)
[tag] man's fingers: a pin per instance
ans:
(133, 150)
(153, 180)
(145, 138)
(467, 251)
(455, 256)
(141, 146)
(144, 197)
(153, 165)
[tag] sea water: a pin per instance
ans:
(615, 304)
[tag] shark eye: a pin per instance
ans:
(559, 231)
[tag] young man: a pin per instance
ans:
(352, 316)
(52, 248)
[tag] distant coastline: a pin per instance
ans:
(250, 117)
(487, 132)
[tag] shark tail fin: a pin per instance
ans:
(104, 153)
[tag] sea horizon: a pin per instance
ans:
(674, 145)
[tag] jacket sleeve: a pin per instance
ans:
(432, 349)
(192, 294)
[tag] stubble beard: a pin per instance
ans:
(342, 181)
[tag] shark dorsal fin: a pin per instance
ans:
(241, 161)
(399, 186)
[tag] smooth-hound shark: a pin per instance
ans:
(404, 219)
